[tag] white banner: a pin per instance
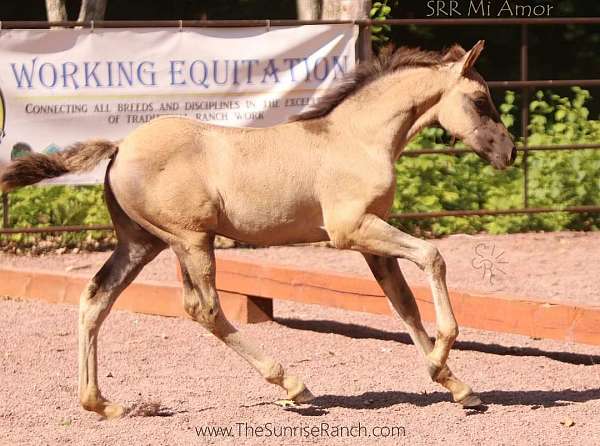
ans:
(63, 85)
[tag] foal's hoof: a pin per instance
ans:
(296, 390)
(103, 407)
(471, 401)
(303, 397)
(112, 411)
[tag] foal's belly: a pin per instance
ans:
(272, 222)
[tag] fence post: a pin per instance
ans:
(4, 210)
(525, 111)
(358, 10)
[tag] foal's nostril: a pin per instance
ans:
(513, 155)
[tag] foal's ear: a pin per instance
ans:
(468, 60)
(454, 53)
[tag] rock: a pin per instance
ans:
(567, 422)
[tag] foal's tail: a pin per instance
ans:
(31, 169)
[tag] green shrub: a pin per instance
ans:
(58, 206)
(556, 178)
(380, 33)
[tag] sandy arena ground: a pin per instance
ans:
(362, 367)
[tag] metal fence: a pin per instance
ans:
(524, 84)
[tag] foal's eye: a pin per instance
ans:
(482, 104)
(484, 107)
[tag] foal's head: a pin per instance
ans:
(466, 110)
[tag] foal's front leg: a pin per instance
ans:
(390, 278)
(372, 235)
(201, 302)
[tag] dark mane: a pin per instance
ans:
(365, 73)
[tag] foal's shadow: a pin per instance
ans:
(533, 398)
(379, 400)
(362, 332)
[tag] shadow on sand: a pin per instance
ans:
(533, 398)
(379, 400)
(362, 332)
(536, 399)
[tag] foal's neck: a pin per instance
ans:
(388, 113)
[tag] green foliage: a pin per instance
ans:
(564, 178)
(380, 34)
(57, 206)
(556, 178)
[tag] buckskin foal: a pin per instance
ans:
(328, 174)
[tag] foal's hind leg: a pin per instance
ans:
(120, 269)
(135, 248)
(390, 278)
(201, 302)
